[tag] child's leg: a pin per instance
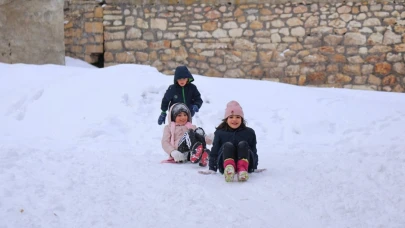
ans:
(229, 151)
(243, 156)
(186, 142)
(199, 147)
(196, 152)
(229, 155)
(243, 161)
(200, 153)
(204, 158)
(199, 135)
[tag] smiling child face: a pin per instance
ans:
(234, 121)
(181, 118)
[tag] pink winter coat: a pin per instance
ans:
(178, 133)
(172, 133)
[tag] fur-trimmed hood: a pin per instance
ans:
(176, 109)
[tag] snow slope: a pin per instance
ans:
(80, 147)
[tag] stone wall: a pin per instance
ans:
(84, 31)
(357, 45)
(31, 32)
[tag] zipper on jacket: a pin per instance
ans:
(184, 97)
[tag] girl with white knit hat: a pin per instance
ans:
(182, 140)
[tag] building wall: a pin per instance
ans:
(358, 45)
(32, 32)
(84, 31)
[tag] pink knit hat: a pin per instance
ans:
(233, 108)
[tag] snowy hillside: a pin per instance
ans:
(80, 147)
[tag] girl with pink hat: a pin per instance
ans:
(234, 146)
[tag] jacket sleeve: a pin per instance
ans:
(166, 99)
(213, 158)
(254, 149)
(166, 145)
(197, 97)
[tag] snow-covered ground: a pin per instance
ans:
(80, 147)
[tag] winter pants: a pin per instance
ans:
(240, 157)
(190, 138)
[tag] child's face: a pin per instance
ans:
(181, 118)
(234, 121)
(182, 81)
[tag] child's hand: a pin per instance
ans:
(178, 156)
(195, 108)
(209, 138)
(207, 172)
(162, 118)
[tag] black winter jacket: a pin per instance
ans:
(188, 94)
(233, 136)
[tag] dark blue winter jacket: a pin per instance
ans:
(188, 94)
(233, 136)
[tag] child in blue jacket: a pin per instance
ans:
(181, 91)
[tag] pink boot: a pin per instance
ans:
(196, 152)
(242, 169)
(229, 170)
(204, 158)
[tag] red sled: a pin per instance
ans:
(171, 161)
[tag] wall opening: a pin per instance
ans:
(100, 59)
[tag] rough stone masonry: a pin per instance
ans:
(358, 45)
(32, 32)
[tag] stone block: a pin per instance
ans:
(94, 48)
(93, 27)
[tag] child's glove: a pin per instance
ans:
(162, 118)
(207, 172)
(209, 138)
(195, 108)
(178, 156)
